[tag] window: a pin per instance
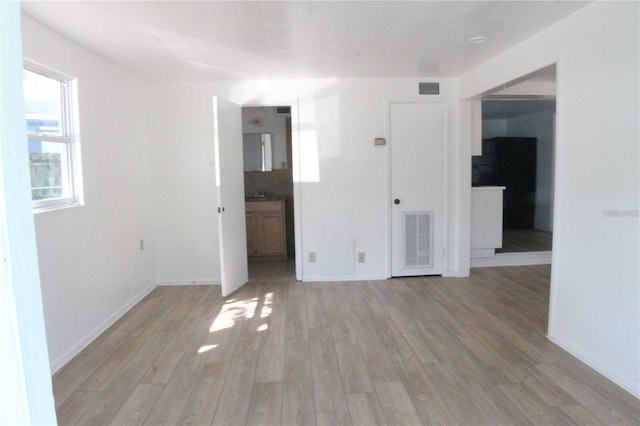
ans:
(53, 140)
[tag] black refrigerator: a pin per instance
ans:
(510, 162)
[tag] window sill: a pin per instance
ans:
(48, 209)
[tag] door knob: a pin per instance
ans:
(396, 201)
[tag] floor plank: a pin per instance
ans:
(396, 404)
(271, 362)
(201, 405)
(327, 381)
(298, 405)
(175, 394)
(75, 407)
(137, 406)
(365, 409)
(124, 383)
(266, 404)
(233, 405)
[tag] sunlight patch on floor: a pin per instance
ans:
(206, 348)
(233, 311)
(267, 307)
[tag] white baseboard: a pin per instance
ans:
(331, 278)
(74, 350)
(207, 281)
(628, 384)
(455, 274)
(513, 259)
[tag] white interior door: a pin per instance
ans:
(232, 231)
(416, 136)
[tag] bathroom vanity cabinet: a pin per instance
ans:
(266, 230)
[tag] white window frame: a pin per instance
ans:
(69, 139)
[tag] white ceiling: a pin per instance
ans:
(160, 41)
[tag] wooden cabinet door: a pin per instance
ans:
(266, 230)
(271, 228)
(252, 222)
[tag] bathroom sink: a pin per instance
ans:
(266, 198)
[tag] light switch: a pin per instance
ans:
(380, 141)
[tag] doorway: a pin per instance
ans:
(518, 145)
(269, 193)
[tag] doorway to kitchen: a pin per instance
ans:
(269, 193)
(518, 145)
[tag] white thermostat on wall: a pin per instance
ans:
(380, 141)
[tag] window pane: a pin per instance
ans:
(43, 104)
(49, 169)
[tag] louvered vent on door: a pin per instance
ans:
(418, 239)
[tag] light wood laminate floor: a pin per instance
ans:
(525, 240)
(272, 271)
(402, 351)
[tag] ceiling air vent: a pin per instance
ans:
(429, 88)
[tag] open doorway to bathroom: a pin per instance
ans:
(268, 186)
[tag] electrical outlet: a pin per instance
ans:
(312, 257)
(362, 257)
(141, 244)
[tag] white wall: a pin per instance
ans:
(595, 309)
(91, 265)
(342, 181)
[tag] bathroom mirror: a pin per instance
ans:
(258, 156)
